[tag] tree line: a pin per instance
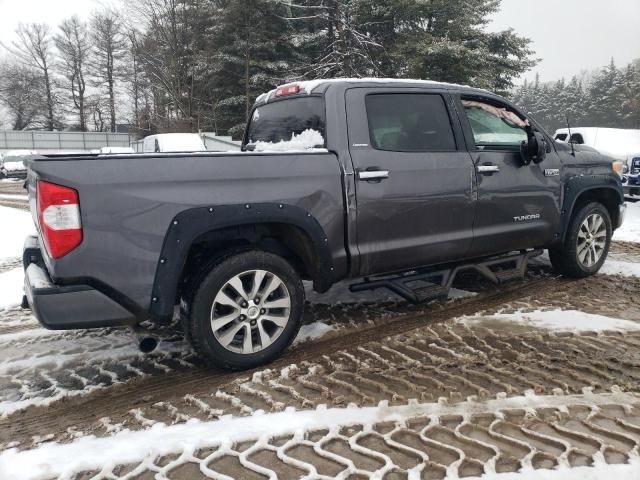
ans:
(188, 65)
(609, 97)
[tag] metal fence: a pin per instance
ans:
(40, 140)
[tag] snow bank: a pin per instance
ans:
(309, 139)
(630, 230)
(63, 460)
(16, 225)
(11, 288)
(560, 320)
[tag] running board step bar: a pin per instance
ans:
(421, 286)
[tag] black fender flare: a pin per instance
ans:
(577, 186)
(190, 224)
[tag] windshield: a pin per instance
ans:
(288, 120)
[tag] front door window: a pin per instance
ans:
(495, 127)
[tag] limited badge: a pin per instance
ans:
(552, 172)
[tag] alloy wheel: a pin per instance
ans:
(250, 311)
(592, 240)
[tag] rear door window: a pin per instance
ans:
(495, 126)
(404, 122)
(297, 120)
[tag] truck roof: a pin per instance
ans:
(309, 86)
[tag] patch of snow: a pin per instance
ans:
(630, 229)
(614, 266)
(599, 472)
(560, 320)
(11, 287)
(313, 331)
(309, 139)
(126, 447)
(455, 293)
(16, 226)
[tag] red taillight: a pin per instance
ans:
(287, 90)
(58, 218)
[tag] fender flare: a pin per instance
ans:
(190, 224)
(576, 186)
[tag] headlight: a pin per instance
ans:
(618, 167)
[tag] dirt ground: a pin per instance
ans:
(382, 353)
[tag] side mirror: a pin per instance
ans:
(535, 149)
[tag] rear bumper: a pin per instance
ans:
(65, 307)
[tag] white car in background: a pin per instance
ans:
(115, 150)
(173, 142)
(12, 165)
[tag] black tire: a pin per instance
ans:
(199, 309)
(565, 259)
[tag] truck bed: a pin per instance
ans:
(128, 204)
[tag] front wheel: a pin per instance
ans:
(246, 311)
(587, 242)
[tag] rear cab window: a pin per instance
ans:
(495, 126)
(407, 122)
(289, 124)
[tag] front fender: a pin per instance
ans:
(578, 186)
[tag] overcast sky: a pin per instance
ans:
(568, 35)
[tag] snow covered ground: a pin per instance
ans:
(559, 320)
(630, 230)
(16, 225)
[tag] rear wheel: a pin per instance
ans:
(586, 244)
(246, 310)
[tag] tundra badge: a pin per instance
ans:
(527, 218)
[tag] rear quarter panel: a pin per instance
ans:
(128, 202)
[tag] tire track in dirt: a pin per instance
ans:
(454, 362)
(118, 400)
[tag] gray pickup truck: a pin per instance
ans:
(401, 184)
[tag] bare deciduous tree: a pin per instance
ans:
(34, 48)
(20, 94)
(74, 48)
(109, 45)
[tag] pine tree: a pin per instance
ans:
(250, 52)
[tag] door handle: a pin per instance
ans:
(488, 168)
(367, 175)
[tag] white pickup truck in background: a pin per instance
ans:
(621, 144)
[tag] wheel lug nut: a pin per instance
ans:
(263, 311)
(243, 318)
(257, 300)
(245, 304)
